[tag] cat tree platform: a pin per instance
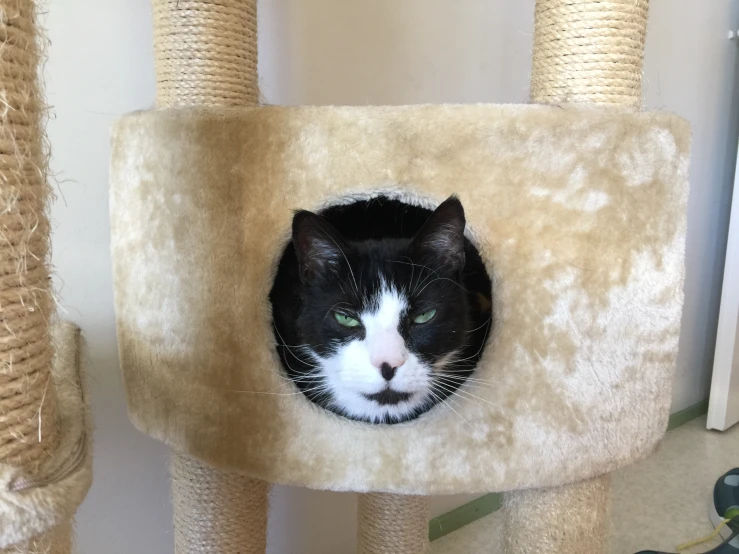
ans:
(578, 209)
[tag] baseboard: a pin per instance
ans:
(489, 503)
(464, 515)
(688, 414)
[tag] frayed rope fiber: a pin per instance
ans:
(27, 399)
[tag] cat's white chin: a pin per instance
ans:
(356, 405)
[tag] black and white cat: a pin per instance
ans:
(374, 324)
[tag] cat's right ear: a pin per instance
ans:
(319, 247)
(440, 242)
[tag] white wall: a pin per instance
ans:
(333, 51)
(691, 69)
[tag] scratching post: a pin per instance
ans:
(28, 431)
(206, 52)
(206, 55)
(44, 462)
(585, 51)
(572, 519)
(217, 512)
(393, 523)
(589, 51)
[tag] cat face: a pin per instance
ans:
(383, 324)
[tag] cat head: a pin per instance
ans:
(383, 323)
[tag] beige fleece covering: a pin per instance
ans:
(36, 510)
(579, 214)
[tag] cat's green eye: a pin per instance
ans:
(424, 317)
(346, 320)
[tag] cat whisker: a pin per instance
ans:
(463, 376)
(459, 367)
(287, 382)
(443, 279)
(461, 380)
(277, 393)
(413, 268)
(331, 309)
(414, 265)
(449, 405)
(351, 271)
(456, 387)
(294, 345)
(445, 360)
(411, 263)
(481, 326)
(456, 363)
(305, 378)
(431, 273)
(284, 358)
(292, 353)
(484, 341)
(303, 360)
(476, 379)
(348, 285)
(460, 391)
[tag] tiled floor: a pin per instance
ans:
(657, 504)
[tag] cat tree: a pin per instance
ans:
(45, 465)
(576, 203)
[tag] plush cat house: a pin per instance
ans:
(577, 204)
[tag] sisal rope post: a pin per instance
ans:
(29, 425)
(206, 54)
(393, 524)
(572, 519)
(217, 512)
(27, 400)
(589, 51)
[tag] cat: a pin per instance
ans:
(385, 318)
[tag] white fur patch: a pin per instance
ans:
(354, 370)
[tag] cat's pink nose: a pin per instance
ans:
(388, 365)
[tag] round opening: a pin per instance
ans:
(381, 309)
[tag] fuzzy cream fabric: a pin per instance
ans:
(37, 519)
(579, 214)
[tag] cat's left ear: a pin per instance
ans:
(440, 242)
(319, 247)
